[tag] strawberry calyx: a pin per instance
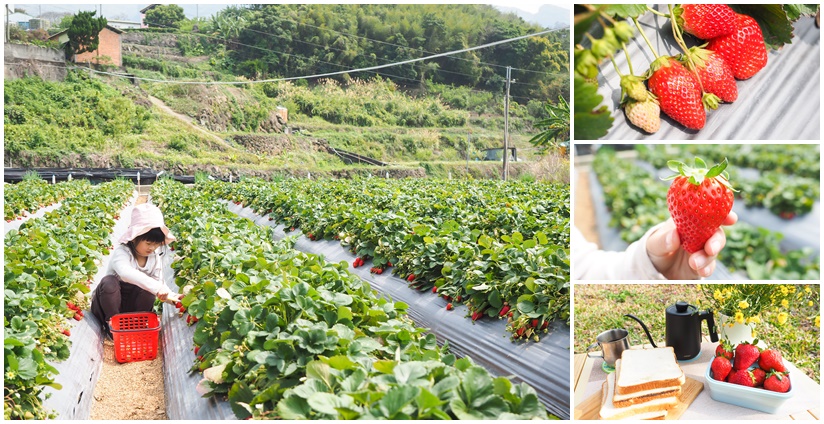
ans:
(699, 172)
(634, 88)
(710, 101)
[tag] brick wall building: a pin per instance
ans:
(109, 50)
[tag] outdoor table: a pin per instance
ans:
(804, 405)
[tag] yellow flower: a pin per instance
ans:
(818, 321)
(792, 289)
(743, 304)
(753, 320)
(810, 303)
(739, 317)
(784, 290)
(785, 303)
(718, 296)
(807, 289)
(782, 318)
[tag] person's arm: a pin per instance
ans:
(591, 263)
(121, 264)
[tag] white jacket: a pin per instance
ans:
(123, 265)
(591, 263)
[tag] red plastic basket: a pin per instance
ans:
(135, 336)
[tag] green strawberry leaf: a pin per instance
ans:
(717, 169)
(592, 119)
(583, 21)
(775, 25)
(624, 10)
(795, 11)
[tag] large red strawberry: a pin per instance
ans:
(743, 377)
(743, 49)
(706, 21)
(745, 355)
(678, 92)
(699, 200)
(777, 382)
(770, 360)
(715, 75)
(721, 368)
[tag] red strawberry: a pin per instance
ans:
(678, 92)
(434, 289)
(520, 331)
(534, 322)
(72, 306)
(389, 264)
(379, 271)
(197, 348)
(67, 332)
(476, 315)
(716, 76)
(458, 299)
(720, 367)
(77, 316)
(786, 215)
(504, 310)
(745, 355)
(178, 305)
(770, 360)
(706, 21)
(546, 324)
(743, 49)
(744, 378)
(759, 375)
(699, 200)
(448, 306)
(777, 382)
(724, 349)
(411, 278)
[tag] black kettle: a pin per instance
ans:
(684, 329)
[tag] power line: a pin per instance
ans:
(370, 68)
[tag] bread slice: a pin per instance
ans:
(647, 410)
(648, 369)
(643, 395)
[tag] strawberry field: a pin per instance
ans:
(287, 334)
(274, 332)
(777, 236)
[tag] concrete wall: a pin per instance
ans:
(108, 51)
(20, 60)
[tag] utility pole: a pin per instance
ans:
(506, 124)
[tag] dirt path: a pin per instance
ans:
(188, 121)
(584, 209)
(130, 391)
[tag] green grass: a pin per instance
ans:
(600, 307)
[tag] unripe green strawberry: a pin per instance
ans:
(678, 92)
(634, 87)
(699, 201)
(705, 21)
(645, 115)
(623, 31)
(742, 49)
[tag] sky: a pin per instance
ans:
(131, 12)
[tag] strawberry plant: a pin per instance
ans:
(28, 196)
(284, 334)
(432, 230)
(47, 262)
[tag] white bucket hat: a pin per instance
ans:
(144, 218)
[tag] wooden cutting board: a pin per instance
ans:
(588, 409)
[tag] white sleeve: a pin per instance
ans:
(121, 264)
(591, 263)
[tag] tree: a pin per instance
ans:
(84, 33)
(165, 16)
(556, 127)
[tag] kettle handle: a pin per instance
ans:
(644, 327)
(710, 323)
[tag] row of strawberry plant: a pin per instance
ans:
(802, 160)
(637, 201)
(457, 247)
(28, 196)
(285, 334)
(46, 263)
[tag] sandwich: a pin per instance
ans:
(645, 384)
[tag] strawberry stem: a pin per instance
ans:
(643, 34)
(666, 15)
(629, 62)
(679, 38)
(611, 59)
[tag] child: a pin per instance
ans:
(134, 276)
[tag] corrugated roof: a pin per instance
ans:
(781, 102)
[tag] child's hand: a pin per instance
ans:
(665, 252)
(163, 294)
